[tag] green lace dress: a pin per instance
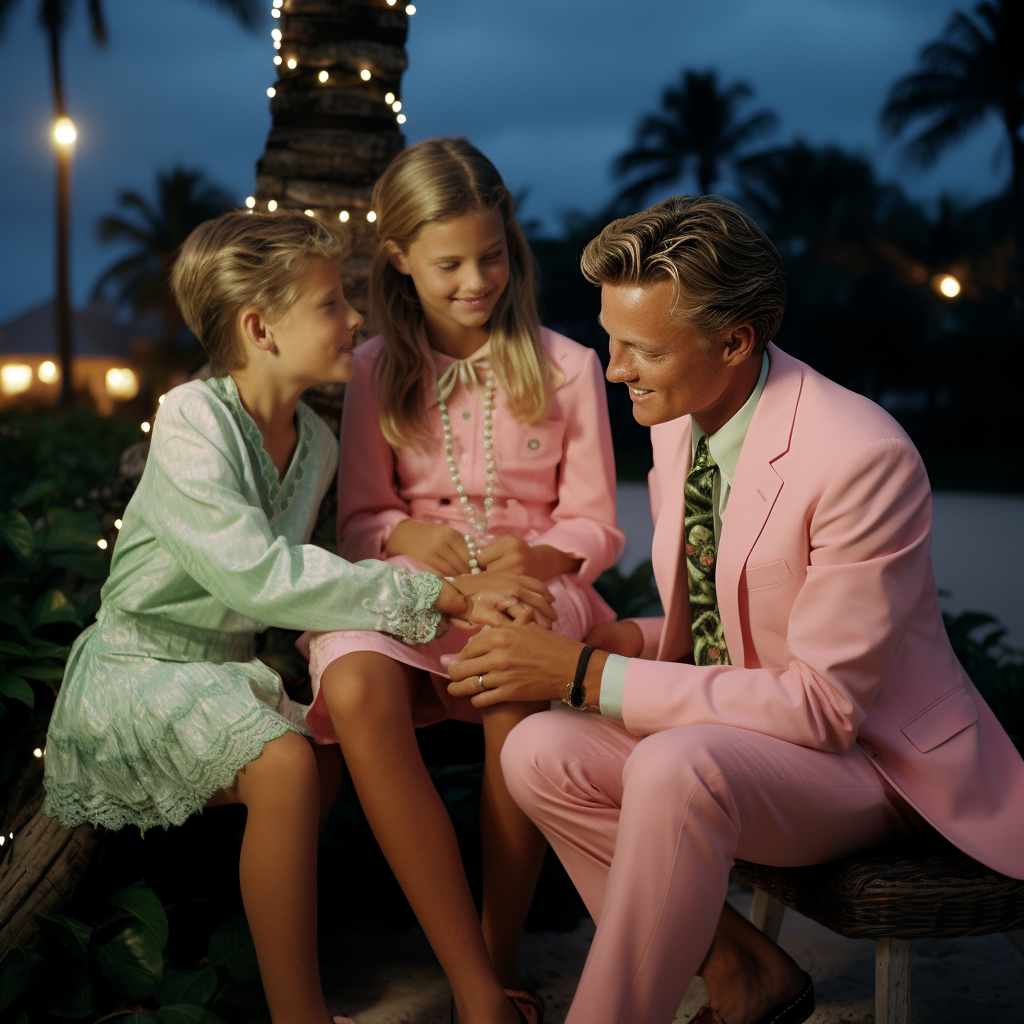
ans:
(162, 701)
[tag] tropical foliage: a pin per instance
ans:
(115, 967)
(154, 231)
(699, 130)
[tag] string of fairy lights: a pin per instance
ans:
(291, 62)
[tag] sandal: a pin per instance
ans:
(528, 1004)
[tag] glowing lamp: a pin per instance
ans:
(64, 131)
(272, 205)
(389, 98)
(101, 544)
(48, 371)
(250, 201)
(343, 216)
(144, 427)
(371, 216)
(410, 10)
(323, 76)
(275, 13)
(276, 35)
(15, 378)
(309, 213)
(292, 63)
(396, 106)
(118, 524)
(365, 75)
(121, 383)
(271, 92)
(947, 285)
(37, 752)
(400, 119)
(160, 400)
(278, 59)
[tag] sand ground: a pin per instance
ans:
(390, 977)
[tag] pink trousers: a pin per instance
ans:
(648, 828)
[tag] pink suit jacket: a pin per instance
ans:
(830, 611)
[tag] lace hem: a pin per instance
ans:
(416, 621)
(73, 804)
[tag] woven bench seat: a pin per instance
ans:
(893, 898)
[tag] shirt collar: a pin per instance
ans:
(726, 443)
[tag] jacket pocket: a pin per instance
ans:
(770, 575)
(943, 720)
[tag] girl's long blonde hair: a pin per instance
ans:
(434, 181)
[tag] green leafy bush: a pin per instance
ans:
(116, 968)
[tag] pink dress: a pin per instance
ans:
(554, 484)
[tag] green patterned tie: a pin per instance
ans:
(701, 552)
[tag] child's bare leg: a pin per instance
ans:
(331, 767)
(370, 700)
(277, 869)
(513, 848)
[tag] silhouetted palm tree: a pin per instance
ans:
(140, 278)
(53, 16)
(699, 129)
(976, 68)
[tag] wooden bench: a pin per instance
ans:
(893, 899)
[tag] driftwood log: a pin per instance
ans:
(41, 863)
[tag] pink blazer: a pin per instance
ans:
(830, 611)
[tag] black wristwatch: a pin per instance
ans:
(576, 692)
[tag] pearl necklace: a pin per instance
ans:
(479, 523)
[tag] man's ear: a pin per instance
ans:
(739, 345)
(397, 258)
(255, 330)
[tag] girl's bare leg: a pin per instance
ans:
(513, 848)
(277, 869)
(370, 700)
(330, 766)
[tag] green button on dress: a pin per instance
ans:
(162, 701)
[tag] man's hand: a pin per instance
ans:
(438, 548)
(513, 554)
(622, 637)
(521, 663)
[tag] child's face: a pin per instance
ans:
(459, 267)
(314, 337)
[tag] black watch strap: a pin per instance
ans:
(576, 692)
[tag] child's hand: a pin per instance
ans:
(527, 594)
(623, 637)
(513, 554)
(439, 548)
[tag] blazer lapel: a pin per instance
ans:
(669, 570)
(755, 488)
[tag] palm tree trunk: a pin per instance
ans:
(330, 141)
(65, 345)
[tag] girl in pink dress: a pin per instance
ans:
(472, 440)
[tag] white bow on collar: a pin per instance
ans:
(464, 370)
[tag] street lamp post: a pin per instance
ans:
(64, 135)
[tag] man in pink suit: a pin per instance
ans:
(799, 701)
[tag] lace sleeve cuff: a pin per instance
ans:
(417, 620)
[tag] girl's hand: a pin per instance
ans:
(483, 607)
(439, 548)
(623, 637)
(513, 554)
(527, 594)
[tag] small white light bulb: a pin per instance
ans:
(400, 119)
(118, 524)
(277, 44)
(37, 752)
(343, 216)
(101, 544)
(391, 3)
(278, 59)
(275, 13)
(160, 400)
(309, 213)
(292, 63)
(47, 371)
(365, 75)
(272, 205)
(389, 98)
(323, 76)
(250, 201)
(279, 3)
(271, 92)
(64, 131)
(396, 106)
(371, 216)
(410, 10)
(144, 427)
(276, 35)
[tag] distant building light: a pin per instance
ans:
(323, 76)
(365, 75)
(121, 383)
(48, 371)
(64, 131)
(15, 378)
(947, 285)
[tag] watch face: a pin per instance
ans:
(578, 697)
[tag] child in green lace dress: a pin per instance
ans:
(163, 710)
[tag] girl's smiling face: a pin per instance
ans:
(460, 268)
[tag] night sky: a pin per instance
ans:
(550, 90)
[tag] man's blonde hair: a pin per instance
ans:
(437, 180)
(243, 259)
(725, 268)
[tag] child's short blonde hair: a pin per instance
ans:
(243, 259)
(431, 182)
